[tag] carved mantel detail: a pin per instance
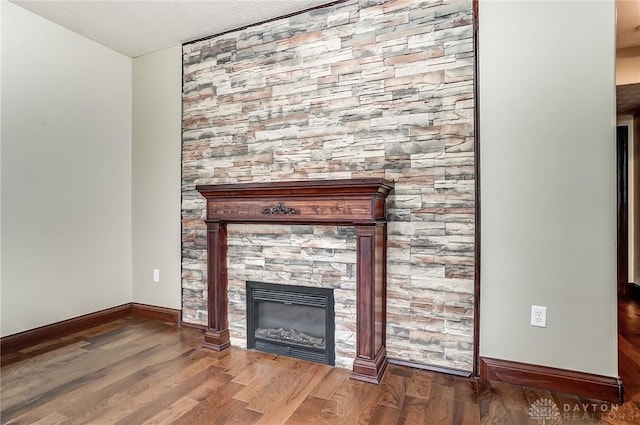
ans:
(279, 209)
(352, 202)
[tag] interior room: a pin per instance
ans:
(358, 211)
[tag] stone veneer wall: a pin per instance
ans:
(317, 256)
(365, 88)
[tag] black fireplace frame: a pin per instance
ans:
(326, 356)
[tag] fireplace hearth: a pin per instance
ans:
(294, 321)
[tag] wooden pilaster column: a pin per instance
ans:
(371, 356)
(217, 334)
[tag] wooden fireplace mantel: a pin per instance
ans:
(352, 202)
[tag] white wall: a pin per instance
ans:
(547, 124)
(628, 66)
(66, 173)
(157, 92)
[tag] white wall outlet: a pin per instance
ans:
(156, 275)
(539, 316)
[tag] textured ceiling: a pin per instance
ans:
(138, 27)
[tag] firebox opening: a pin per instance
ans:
(295, 321)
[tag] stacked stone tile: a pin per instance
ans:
(317, 256)
(358, 89)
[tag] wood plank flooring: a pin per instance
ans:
(629, 345)
(137, 371)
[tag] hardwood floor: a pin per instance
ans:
(629, 345)
(137, 371)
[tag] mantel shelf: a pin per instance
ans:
(312, 201)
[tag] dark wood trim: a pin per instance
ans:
(163, 314)
(370, 370)
(430, 368)
(332, 202)
(63, 328)
(558, 380)
(217, 335)
(288, 15)
(296, 188)
(193, 326)
(476, 163)
(347, 202)
(622, 201)
(371, 292)
(622, 217)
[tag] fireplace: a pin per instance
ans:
(351, 202)
(295, 321)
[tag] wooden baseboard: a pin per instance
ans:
(439, 369)
(59, 329)
(163, 314)
(560, 380)
(194, 326)
(35, 336)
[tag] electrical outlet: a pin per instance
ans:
(538, 316)
(156, 275)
